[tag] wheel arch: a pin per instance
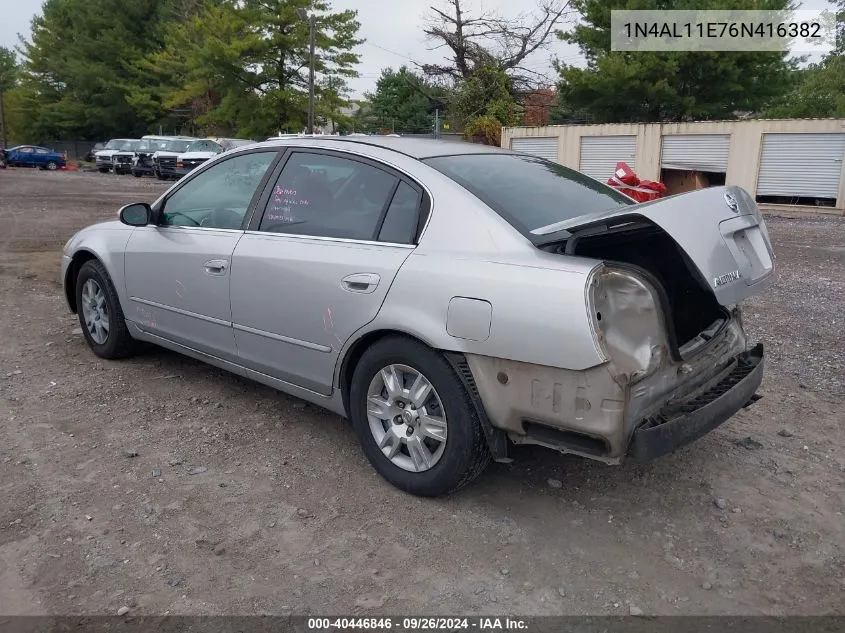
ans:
(79, 258)
(496, 438)
(356, 350)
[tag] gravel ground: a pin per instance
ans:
(166, 486)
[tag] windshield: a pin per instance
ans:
(176, 146)
(527, 191)
(129, 146)
(204, 146)
(152, 144)
(115, 143)
(229, 143)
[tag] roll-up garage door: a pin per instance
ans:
(542, 146)
(696, 152)
(805, 165)
(599, 154)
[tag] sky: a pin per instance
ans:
(392, 30)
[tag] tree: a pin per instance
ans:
(665, 86)
(483, 104)
(78, 66)
(403, 102)
(490, 40)
(819, 94)
(8, 80)
(243, 65)
(820, 89)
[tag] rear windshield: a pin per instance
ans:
(527, 191)
(177, 146)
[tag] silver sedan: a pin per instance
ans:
(450, 299)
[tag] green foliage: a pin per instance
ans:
(677, 86)
(102, 68)
(78, 67)
(484, 98)
(8, 69)
(485, 129)
(403, 101)
(820, 93)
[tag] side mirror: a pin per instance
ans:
(136, 214)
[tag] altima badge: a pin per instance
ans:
(726, 279)
(732, 203)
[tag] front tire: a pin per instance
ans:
(415, 421)
(100, 314)
(103, 170)
(52, 165)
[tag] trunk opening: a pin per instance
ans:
(693, 313)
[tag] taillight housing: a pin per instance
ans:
(627, 321)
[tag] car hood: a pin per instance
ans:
(106, 153)
(197, 155)
(161, 153)
(720, 229)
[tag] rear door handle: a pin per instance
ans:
(216, 266)
(361, 282)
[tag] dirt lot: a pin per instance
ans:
(243, 500)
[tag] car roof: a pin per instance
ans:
(419, 148)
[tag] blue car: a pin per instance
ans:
(34, 156)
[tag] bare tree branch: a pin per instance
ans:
(489, 38)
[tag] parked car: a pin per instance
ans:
(164, 160)
(201, 150)
(89, 157)
(34, 156)
(142, 162)
(124, 156)
(448, 298)
(103, 157)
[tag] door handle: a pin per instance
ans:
(361, 282)
(216, 266)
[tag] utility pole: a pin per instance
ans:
(3, 120)
(437, 123)
(312, 28)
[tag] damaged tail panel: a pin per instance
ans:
(719, 230)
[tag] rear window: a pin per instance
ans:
(527, 191)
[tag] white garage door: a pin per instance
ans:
(696, 152)
(599, 154)
(542, 146)
(807, 165)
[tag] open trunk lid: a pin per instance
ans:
(720, 229)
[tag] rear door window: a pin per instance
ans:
(324, 195)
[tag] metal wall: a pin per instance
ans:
(745, 149)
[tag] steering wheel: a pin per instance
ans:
(222, 219)
(187, 217)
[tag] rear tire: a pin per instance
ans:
(52, 165)
(97, 304)
(464, 454)
(137, 174)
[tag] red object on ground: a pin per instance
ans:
(626, 181)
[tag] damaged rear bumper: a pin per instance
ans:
(684, 422)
